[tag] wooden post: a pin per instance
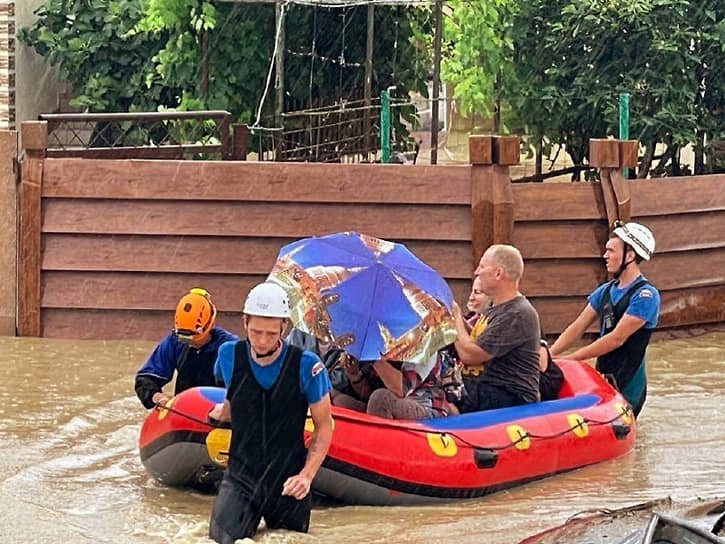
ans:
(368, 90)
(610, 199)
(240, 133)
(225, 138)
(279, 62)
(480, 149)
(8, 231)
(436, 81)
(34, 138)
(609, 156)
(622, 194)
(492, 202)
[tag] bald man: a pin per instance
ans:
(501, 365)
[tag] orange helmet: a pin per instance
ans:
(195, 315)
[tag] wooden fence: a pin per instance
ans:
(108, 246)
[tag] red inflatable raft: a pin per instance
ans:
(379, 462)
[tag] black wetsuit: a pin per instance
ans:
(266, 448)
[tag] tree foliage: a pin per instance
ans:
(571, 59)
(99, 50)
(123, 55)
(478, 49)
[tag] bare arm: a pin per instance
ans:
(543, 359)
(298, 486)
(627, 326)
(470, 353)
(357, 379)
(222, 411)
(391, 377)
(574, 331)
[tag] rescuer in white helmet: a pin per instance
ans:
(627, 308)
(271, 385)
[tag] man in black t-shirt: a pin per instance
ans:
(501, 365)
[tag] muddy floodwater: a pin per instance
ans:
(70, 471)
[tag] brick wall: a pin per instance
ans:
(7, 65)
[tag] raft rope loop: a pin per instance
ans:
(626, 412)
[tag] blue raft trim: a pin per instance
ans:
(213, 394)
(476, 420)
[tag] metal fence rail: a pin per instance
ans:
(153, 135)
(342, 132)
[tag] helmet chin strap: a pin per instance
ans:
(268, 353)
(623, 266)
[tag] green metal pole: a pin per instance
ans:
(385, 126)
(624, 123)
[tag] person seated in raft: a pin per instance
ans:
(501, 365)
(327, 353)
(190, 350)
(411, 391)
(550, 377)
(352, 382)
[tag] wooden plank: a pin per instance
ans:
(628, 153)
(506, 150)
(604, 152)
(481, 210)
(572, 239)
(622, 191)
(556, 201)
(564, 277)
(561, 277)
(140, 290)
(679, 308)
(223, 218)
(492, 208)
(222, 255)
(556, 313)
(560, 239)
(610, 199)
(480, 149)
(183, 254)
(8, 232)
(692, 306)
(119, 324)
(664, 196)
(29, 247)
(680, 232)
(34, 136)
(257, 181)
(141, 152)
(159, 291)
(503, 205)
(686, 269)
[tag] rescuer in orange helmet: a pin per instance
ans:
(190, 349)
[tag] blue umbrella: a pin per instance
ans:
(371, 297)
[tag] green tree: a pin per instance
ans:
(478, 52)
(570, 59)
(99, 50)
(123, 55)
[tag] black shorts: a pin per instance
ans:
(237, 512)
(483, 396)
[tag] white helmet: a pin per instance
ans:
(639, 237)
(267, 300)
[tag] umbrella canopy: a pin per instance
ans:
(371, 297)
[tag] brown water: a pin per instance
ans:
(70, 472)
